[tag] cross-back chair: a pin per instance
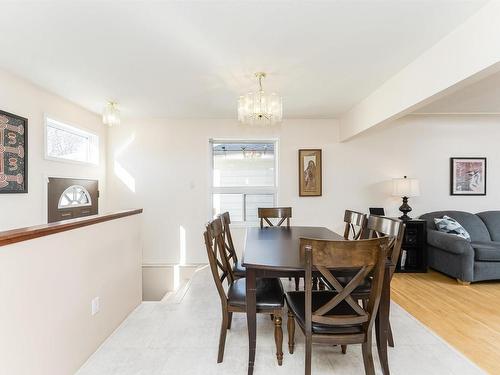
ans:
(238, 270)
(394, 229)
(355, 224)
(269, 292)
(379, 226)
(281, 213)
(334, 316)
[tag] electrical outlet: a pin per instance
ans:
(95, 305)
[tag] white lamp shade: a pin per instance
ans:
(405, 187)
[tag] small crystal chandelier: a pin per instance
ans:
(111, 114)
(260, 108)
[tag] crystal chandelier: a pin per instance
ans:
(111, 115)
(260, 108)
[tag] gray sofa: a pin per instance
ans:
(467, 261)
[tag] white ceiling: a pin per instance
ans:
(482, 97)
(194, 58)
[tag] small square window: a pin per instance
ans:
(68, 143)
(243, 178)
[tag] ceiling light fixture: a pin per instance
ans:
(111, 114)
(260, 108)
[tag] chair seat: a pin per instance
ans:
(345, 277)
(269, 293)
(296, 303)
(486, 251)
(239, 270)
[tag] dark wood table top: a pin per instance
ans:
(278, 247)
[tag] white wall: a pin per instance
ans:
(467, 54)
(169, 161)
(46, 288)
(27, 100)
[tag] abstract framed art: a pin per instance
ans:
(310, 176)
(13, 153)
(467, 176)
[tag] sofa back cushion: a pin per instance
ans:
(492, 221)
(471, 223)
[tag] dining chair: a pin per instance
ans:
(282, 214)
(334, 316)
(380, 226)
(269, 291)
(355, 224)
(238, 270)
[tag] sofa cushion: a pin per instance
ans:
(492, 221)
(486, 251)
(471, 223)
(449, 225)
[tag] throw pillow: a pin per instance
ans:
(450, 225)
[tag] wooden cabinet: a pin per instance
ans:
(413, 256)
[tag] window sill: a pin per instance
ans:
(69, 161)
(243, 224)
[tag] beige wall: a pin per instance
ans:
(27, 100)
(169, 162)
(46, 288)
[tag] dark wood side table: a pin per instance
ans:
(413, 256)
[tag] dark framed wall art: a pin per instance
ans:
(468, 176)
(310, 176)
(13, 153)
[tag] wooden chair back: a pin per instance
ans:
(228, 239)
(219, 265)
(366, 256)
(379, 226)
(354, 220)
(281, 213)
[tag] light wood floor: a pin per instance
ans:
(467, 317)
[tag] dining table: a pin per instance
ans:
(274, 252)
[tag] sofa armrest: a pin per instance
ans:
(449, 242)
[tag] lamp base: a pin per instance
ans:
(405, 208)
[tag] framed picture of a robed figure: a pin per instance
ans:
(310, 176)
(468, 176)
(13, 153)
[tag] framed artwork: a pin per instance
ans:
(310, 176)
(468, 176)
(13, 153)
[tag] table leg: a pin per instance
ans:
(382, 322)
(251, 317)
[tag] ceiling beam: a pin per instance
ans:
(466, 55)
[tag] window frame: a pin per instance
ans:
(245, 190)
(71, 128)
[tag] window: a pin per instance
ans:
(74, 196)
(243, 178)
(65, 142)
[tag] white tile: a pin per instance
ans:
(182, 338)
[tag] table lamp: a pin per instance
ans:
(405, 188)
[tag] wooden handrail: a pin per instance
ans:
(28, 233)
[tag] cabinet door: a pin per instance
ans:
(69, 198)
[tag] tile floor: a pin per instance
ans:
(180, 336)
